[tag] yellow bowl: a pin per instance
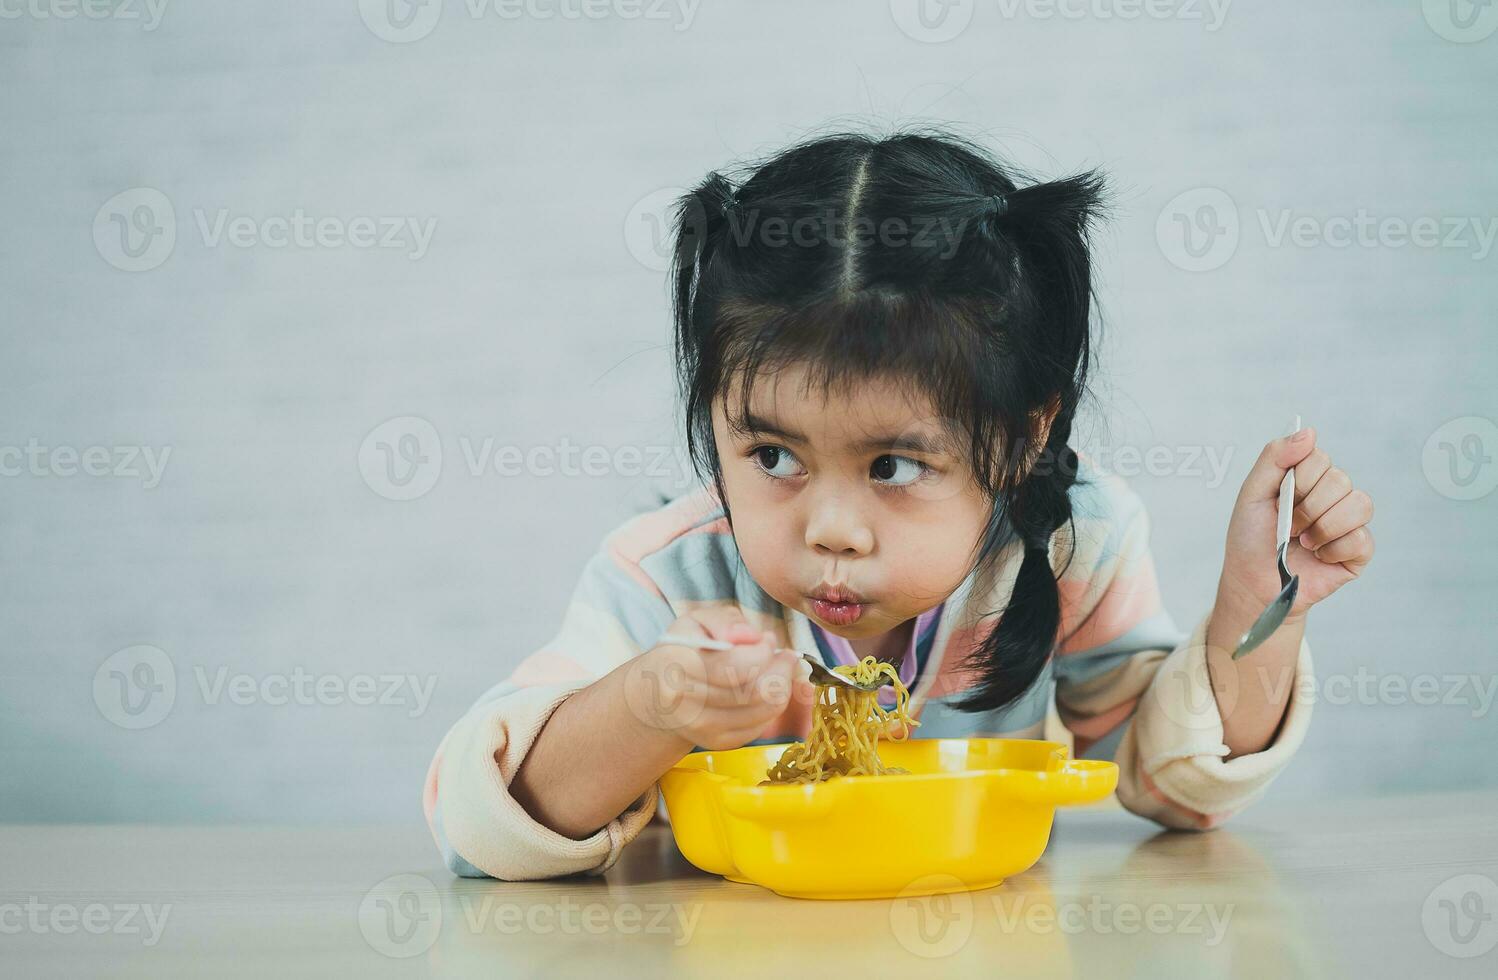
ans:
(970, 813)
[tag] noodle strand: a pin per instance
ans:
(846, 726)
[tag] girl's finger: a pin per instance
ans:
(1263, 481)
(735, 673)
(1307, 473)
(728, 623)
(1352, 511)
(1309, 470)
(743, 633)
(744, 660)
(769, 686)
(1331, 488)
(778, 682)
(894, 728)
(1353, 549)
(754, 700)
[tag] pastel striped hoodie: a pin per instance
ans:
(1125, 681)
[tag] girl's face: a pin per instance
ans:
(864, 494)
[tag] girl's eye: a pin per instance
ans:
(898, 471)
(769, 458)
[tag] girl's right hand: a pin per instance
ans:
(716, 699)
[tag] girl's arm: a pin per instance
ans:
(606, 712)
(1330, 544)
(1252, 691)
(1130, 687)
(611, 741)
(592, 759)
(614, 614)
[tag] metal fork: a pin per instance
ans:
(1271, 618)
(819, 673)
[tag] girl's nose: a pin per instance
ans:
(836, 529)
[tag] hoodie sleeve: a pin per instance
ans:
(614, 614)
(1132, 688)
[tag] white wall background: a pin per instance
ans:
(535, 316)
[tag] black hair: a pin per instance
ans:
(917, 257)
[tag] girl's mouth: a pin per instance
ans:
(838, 613)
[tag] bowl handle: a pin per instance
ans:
(779, 803)
(1080, 781)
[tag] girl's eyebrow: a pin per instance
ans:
(918, 442)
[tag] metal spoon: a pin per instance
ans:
(1271, 618)
(819, 673)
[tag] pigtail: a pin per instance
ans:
(1046, 226)
(701, 215)
(1016, 651)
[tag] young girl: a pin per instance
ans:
(881, 347)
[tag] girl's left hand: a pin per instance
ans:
(1330, 543)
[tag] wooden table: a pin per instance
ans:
(1394, 886)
